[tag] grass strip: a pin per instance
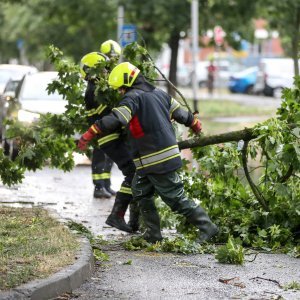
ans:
(32, 245)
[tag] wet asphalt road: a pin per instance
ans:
(150, 275)
(69, 194)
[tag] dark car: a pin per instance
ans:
(243, 81)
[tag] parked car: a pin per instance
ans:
(29, 101)
(10, 75)
(243, 81)
(224, 68)
(15, 72)
(274, 74)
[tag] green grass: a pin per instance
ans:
(209, 110)
(32, 245)
(223, 108)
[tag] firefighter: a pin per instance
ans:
(111, 49)
(148, 112)
(101, 164)
(113, 145)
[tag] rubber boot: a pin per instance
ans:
(116, 217)
(201, 220)
(151, 221)
(134, 213)
(101, 192)
(197, 216)
(107, 185)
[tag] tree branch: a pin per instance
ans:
(288, 174)
(233, 136)
(246, 134)
(254, 188)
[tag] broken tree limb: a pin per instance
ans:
(246, 134)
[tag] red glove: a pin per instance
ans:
(87, 137)
(196, 125)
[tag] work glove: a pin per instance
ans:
(196, 125)
(87, 137)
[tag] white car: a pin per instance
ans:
(224, 69)
(33, 97)
(14, 72)
(30, 100)
(10, 74)
(274, 74)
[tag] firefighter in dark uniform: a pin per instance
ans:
(113, 145)
(148, 112)
(101, 163)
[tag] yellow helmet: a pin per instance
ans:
(110, 48)
(89, 61)
(124, 74)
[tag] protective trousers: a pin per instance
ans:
(118, 151)
(170, 188)
(101, 169)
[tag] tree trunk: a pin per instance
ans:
(173, 44)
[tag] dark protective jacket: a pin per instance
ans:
(147, 111)
(98, 106)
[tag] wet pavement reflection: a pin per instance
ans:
(69, 194)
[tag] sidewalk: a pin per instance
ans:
(150, 275)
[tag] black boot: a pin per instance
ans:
(101, 192)
(116, 218)
(134, 213)
(207, 228)
(151, 220)
(196, 215)
(107, 184)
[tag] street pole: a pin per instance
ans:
(120, 22)
(195, 50)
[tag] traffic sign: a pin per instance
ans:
(219, 35)
(20, 43)
(129, 34)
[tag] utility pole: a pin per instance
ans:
(195, 50)
(120, 22)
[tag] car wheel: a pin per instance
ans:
(277, 92)
(249, 90)
(202, 84)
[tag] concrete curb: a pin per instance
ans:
(61, 282)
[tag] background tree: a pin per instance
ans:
(162, 21)
(72, 25)
(284, 16)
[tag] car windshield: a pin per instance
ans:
(11, 86)
(5, 75)
(35, 88)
